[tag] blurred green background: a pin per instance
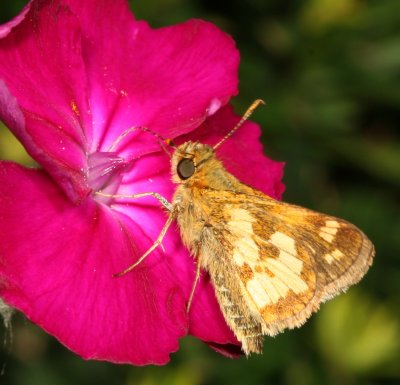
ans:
(330, 73)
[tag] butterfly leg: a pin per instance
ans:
(168, 205)
(153, 246)
(196, 280)
(160, 237)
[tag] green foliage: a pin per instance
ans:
(329, 71)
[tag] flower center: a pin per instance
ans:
(107, 168)
(105, 173)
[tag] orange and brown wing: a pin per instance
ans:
(288, 259)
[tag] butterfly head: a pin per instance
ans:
(194, 163)
(191, 162)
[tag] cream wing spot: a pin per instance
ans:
(329, 258)
(245, 251)
(280, 287)
(328, 237)
(265, 290)
(334, 255)
(332, 223)
(328, 232)
(258, 293)
(287, 268)
(293, 263)
(240, 226)
(283, 242)
(287, 253)
(273, 291)
(337, 254)
(288, 277)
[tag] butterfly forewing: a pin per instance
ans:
(287, 259)
(342, 253)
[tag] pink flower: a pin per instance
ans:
(74, 76)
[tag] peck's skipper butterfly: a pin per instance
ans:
(271, 263)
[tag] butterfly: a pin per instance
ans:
(271, 263)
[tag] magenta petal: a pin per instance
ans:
(168, 79)
(93, 74)
(42, 72)
(57, 265)
(227, 350)
(6, 28)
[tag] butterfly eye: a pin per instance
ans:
(185, 168)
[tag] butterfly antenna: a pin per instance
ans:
(246, 115)
(162, 140)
